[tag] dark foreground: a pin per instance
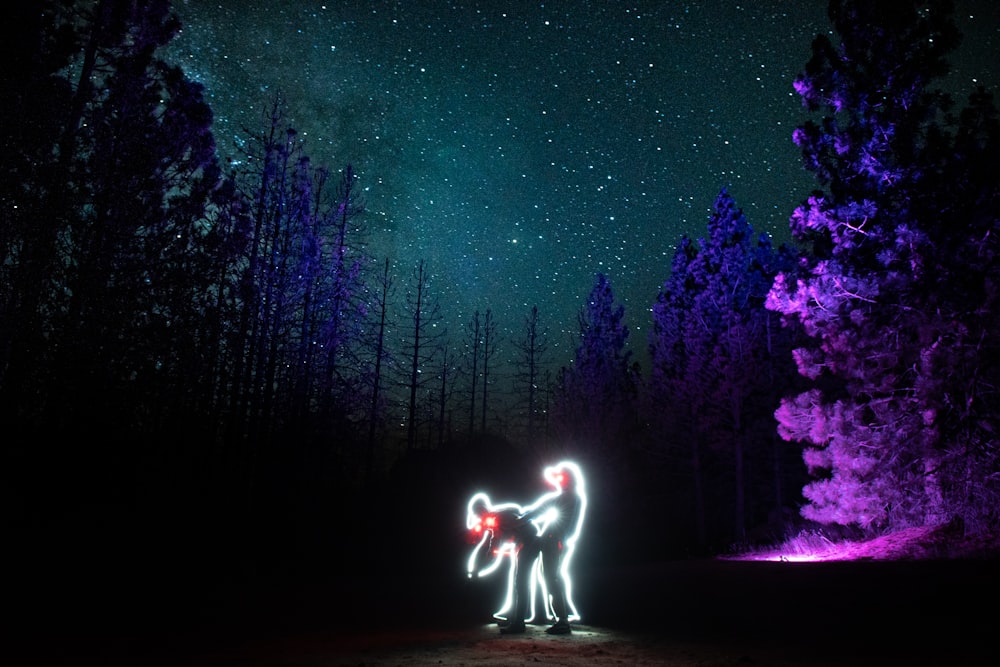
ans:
(699, 612)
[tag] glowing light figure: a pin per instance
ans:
(492, 528)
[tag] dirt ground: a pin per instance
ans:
(675, 614)
(484, 646)
(887, 605)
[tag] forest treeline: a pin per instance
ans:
(217, 344)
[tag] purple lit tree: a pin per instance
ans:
(342, 307)
(898, 292)
(300, 306)
(665, 414)
(594, 397)
(717, 366)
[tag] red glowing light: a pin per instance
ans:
(484, 524)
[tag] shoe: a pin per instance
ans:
(513, 628)
(561, 627)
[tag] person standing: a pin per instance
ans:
(547, 532)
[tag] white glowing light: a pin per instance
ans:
(486, 522)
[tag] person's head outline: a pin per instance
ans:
(564, 476)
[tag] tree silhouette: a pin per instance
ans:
(490, 342)
(344, 286)
(446, 390)
(301, 294)
(528, 376)
(593, 405)
(474, 335)
(35, 196)
(106, 262)
(422, 343)
(667, 408)
(381, 353)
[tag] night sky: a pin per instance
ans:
(521, 147)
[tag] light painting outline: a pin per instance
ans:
(485, 521)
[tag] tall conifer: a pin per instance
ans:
(901, 263)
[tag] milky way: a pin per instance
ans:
(520, 148)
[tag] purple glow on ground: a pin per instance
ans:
(917, 542)
(783, 557)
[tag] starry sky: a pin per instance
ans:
(519, 148)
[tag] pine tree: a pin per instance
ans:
(342, 309)
(715, 367)
(274, 179)
(668, 410)
(423, 342)
(532, 348)
(474, 335)
(301, 290)
(38, 43)
(382, 360)
(899, 271)
(491, 339)
(112, 267)
(594, 402)
(482, 337)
